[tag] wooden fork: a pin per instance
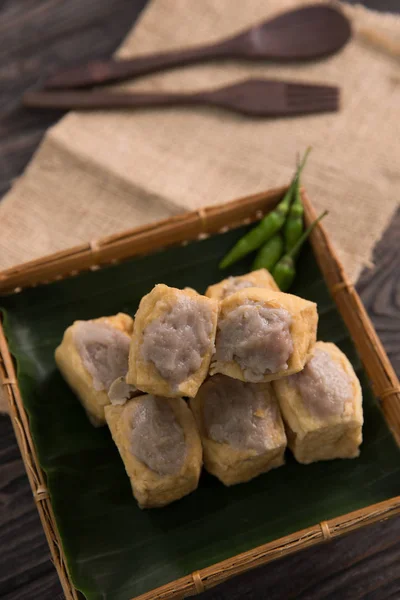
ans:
(251, 97)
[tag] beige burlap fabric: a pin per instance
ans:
(97, 173)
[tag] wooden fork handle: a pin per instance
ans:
(106, 71)
(66, 100)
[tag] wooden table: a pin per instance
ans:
(37, 36)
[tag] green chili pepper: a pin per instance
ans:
(267, 227)
(293, 227)
(269, 254)
(284, 271)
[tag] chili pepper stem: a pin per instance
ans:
(306, 153)
(296, 248)
(285, 203)
(294, 227)
(300, 167)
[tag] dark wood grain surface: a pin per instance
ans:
(36, 37)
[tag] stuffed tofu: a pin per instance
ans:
(241, 428)
(173, 342)
(261, 279)
(263, 335)
(91, 356)
(160, 446)
(322, 407)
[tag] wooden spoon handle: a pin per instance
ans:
(106, 71)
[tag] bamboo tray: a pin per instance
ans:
(58, 280)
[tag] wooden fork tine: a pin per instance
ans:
(325, 105)
(312, 99)
(315, 96)
(301, 91)
(307, 87)
(303, 98)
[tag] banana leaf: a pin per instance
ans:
(114, 550)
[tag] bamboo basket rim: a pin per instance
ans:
(180, 229)
(141, 240)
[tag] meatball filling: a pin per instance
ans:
(104, 351)
(177, 341)
(157, 438)
(257, 337)
(236, 413)
(120, 391)
(324, 385)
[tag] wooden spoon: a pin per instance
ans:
(302, 34)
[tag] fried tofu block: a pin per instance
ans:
(91, 356)
(173, 342)
(322, 407)
(263, 335)
(160, 446)
(240, 427)
(261, 278)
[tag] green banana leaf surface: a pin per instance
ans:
(115, 551)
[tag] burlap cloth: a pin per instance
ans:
(97, 173)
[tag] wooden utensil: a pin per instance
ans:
(301, 34)
(253, 97)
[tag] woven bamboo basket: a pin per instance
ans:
(179, 230)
